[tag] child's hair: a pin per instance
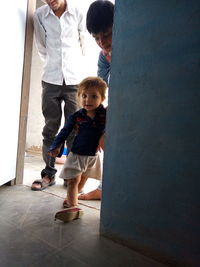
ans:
(100, 16)
(93, 82)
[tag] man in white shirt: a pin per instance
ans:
(59, 29)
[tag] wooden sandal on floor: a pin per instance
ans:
(69, 214)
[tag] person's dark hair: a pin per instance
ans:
(100, 16)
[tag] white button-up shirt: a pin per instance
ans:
(60, 43)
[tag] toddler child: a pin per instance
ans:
(83, 160)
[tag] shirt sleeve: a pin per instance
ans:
(63, 134)
(40, 35)
(103, 70)
(82, 32)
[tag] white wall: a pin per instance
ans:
(11, 66)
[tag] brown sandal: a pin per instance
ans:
(69, 214)
(43, 184)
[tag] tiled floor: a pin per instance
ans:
(30, 237)
(32, 168)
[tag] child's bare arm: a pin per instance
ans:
(101, 143)
(57, 146)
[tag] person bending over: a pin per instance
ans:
(99, 23)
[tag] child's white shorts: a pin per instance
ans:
(75, 165)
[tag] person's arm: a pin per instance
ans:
(82, 32)
(103, 68)
(55, 152)
(102, 138)
(101, 142)
(60, 139)
(40, 35)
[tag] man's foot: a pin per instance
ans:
(92, 195)
(41, 184)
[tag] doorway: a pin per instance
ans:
(33, 163)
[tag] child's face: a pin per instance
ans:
(91, 99)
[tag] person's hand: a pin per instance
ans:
(99, 149)
(107, 55)
(101, 143)
(54, 153)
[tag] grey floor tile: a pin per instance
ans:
(21, 248)
(60, 259)
(98, 251)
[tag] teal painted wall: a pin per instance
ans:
(152, 156)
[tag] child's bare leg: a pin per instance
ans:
(71, 212)
(72, 191)
(82, 183)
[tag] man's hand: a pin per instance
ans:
(107, 55)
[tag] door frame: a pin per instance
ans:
(31, 6)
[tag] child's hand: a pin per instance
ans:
(54, 153)
(99, 149)
(101, 143)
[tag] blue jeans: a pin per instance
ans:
(52, 98)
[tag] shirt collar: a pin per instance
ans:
(84, 112)
(48, 11)
(100, 107)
